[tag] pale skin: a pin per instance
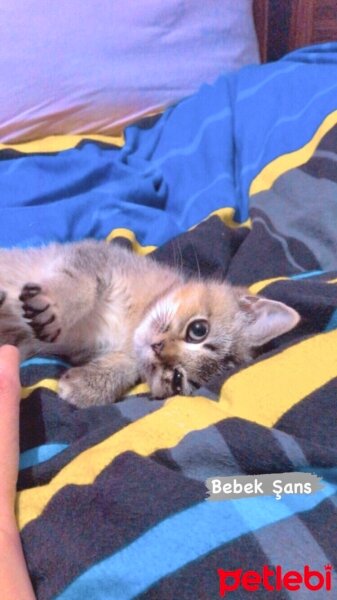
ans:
(14, 578)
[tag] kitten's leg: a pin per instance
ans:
(101, 381)
(54, 306)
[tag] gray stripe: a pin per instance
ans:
(282, 241)
(136, 407)
(333, 500)
(291, 448)
(203, 454)
(326, 154)
(290, 544)
(321, 167)
(305, 208)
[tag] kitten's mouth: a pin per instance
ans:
(178, 383)
(164, 378)
(166, 382)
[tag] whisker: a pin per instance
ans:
(197, 262)
(181, 258)
(175, 264)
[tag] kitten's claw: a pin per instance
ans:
(2, 297)
(40, 313)
(32, 312)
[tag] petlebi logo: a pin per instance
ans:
(274, 579)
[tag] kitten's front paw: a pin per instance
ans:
(77, 386)
(40, 312)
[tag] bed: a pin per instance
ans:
(237, 180)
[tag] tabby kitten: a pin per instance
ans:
(124, 318)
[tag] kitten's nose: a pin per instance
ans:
(157, 348)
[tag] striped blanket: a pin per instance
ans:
(239, 181)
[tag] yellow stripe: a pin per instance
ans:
(141, 388)
(129, 235)
(225, 214)
(50, 384)
(260, 393)
(268, 389)
(271, 172)
(255, 288)
(162, 429)
(57, 143)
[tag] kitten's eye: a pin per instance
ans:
(197, 331)
(177, 382)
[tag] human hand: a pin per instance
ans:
(9, 431)
(14, 578)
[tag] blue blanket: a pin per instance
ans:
(112, 500)
(199, 157)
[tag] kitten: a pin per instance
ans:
(122, 317)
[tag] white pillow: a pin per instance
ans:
(81, 66)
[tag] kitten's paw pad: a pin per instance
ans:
(74, 387)
(40, 312)
(29, 291)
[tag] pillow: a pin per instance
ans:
(86, 66)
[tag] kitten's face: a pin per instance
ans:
(201, 329)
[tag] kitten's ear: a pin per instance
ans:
(266, 319)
